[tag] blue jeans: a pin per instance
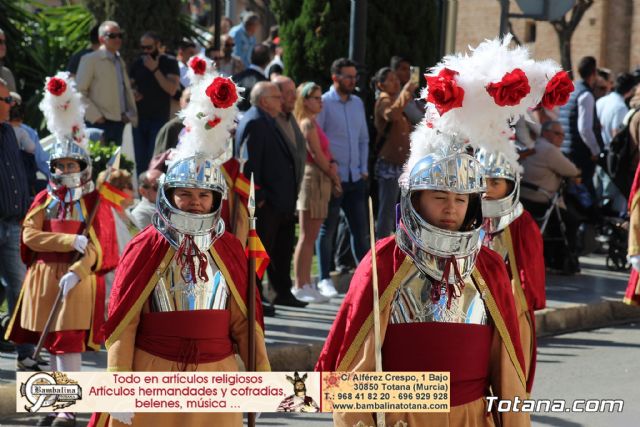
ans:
(388, 193)
(144, 141)
(353, 204)
(12, 270)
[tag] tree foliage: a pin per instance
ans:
(315, 32)
(40, 40)
(565, 28)
(136, 17)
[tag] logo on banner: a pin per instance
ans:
(55, 390)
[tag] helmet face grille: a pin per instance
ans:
(193, 172)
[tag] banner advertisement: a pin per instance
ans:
(233, 391)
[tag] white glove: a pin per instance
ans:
(635, 262)
(123, 417)
(68, 282)
(80, 243)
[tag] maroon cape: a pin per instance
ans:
(103, 226)
(632, 294)
(358, 303)
(139, 262)
(529, 252)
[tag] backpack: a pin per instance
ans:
(621, 162)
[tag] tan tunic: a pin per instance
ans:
(124, 356)
(41, 282)
(504, 382)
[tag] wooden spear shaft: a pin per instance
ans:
(251, 303)
(380, 421)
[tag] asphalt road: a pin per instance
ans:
(598, 364)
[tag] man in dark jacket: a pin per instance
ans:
(247, 79)
(582, 139)
(271, 160)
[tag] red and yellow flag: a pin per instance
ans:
(113, 195)
(257, 250)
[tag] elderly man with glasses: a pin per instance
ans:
(148, 189)
(104, 83)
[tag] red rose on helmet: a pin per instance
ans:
(198, 65)
(222, 92)
(444, 91)
(511, 89)
(56, 86)
(558, 90)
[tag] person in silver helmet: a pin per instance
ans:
(515, 236)
(441, 291)
(51, 235)
(179, 297)
(191, 276)
(446, 301)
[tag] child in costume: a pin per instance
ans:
(52, 234)
(515, 236)
(179, 298)
(446, 302)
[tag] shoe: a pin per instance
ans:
(327, 288)
(64, 419)
(268, 310)
(28, 364)
(7, 347)
(308, 293)
(289, 300)
(47, 420)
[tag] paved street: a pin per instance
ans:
(585, 364)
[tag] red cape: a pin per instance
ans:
(529, 252)
(634, 188)
(102, 233)
(142, 256)
(358, 303)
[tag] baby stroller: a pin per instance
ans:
(559, 240)
(614, 234)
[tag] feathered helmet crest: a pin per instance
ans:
(475, 98)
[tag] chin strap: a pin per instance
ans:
(187, 254)
(452, 290)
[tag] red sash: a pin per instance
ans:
(462, 349)
(198, 336)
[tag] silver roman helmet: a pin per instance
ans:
(197, 171)
(198, 158)
(64, 113)
(74, 185)
(498, 214)
(451, 169)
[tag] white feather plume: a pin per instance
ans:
(64, 112)
(202, 134)
(479, 120)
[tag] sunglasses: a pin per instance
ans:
(146, 48)
(151, 187)
(8, 99)
(113, 35)
(356, 78)
(2, 42)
